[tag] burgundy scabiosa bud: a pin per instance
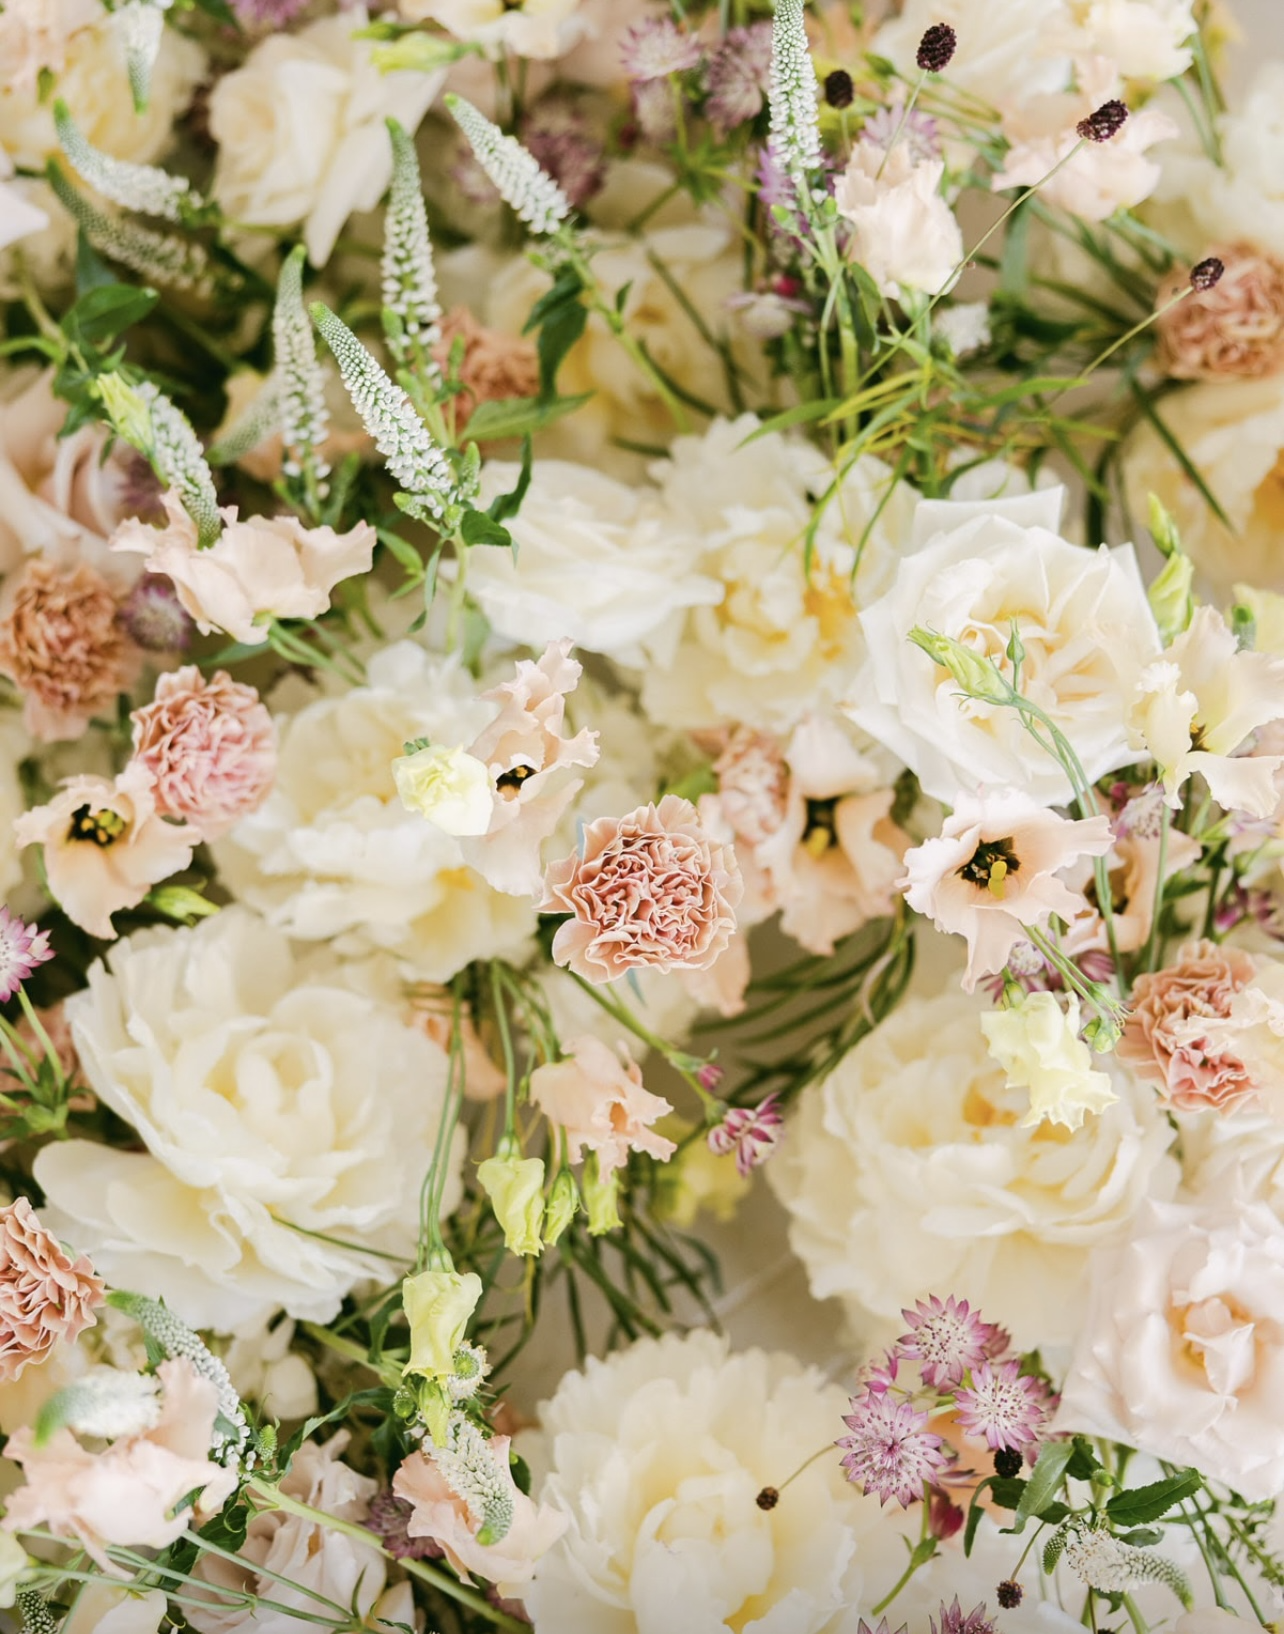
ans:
(1104, 122)
(1007, 1463)
(936, 49)
(1009, 1594)
(839, 89)
(1207, 273)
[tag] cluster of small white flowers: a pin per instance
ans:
(35, 1613)
(1102, 1561)
(159, 257)
(792, 98)
(255, 424)
(409, 276)
(300, 382)
(176, 1339)
(180, 461)
(109, 1403)
(420, 467)
(139, 25)
(518, 176)
(146, 188)
(466, 1465)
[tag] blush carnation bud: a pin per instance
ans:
(1104, 122)
(839, 89)
(936, 49)
(1207, 274)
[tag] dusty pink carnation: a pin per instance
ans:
(45, 1296)
(493, 365)
(650, 889)
(209, 747)
(1165, 1040)
(1235, 330)
(753, 784)
(63, 646)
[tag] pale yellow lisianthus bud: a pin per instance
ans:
(601, 1192)
(1038, 1045)
(515, 1186)
(448, 787)
(438, 1306)
(563, 1205)
(13, 1563)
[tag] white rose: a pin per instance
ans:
(1004, 53)
(908, 1172)
(528, 28)
(301, 132)
(333, 854)
(971, 572)
(904, 233)
(277, 1108)
(1181, 1353)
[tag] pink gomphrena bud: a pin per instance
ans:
(936, 49)
(1103, 122)
(710, 1076)
(22, 948)
(750, 1132)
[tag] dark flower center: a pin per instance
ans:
(514, 777)
(990, 864)
(820, 829)
(101, 828)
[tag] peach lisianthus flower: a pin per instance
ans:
(1166, 1039)
(46, 1297)
(209, 748)
(1235, 330)
(650, 889)
(265, 567)
(1132, 865)
(992, 872)
(105, 845)
(596, 1097)
(127, 1495)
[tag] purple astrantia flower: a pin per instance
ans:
(154, 616)
(22, 948)
(656, 48)
(750, 1132)
(558, 135)
(890, 1452)
(862, 1627)
(953, 1620)
(946, 1339)
(1008, 1408)
(739, 75)
(387, 1517)
(918, 131)
(273, 14)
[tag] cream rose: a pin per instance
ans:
(972, 571)
(333, 853)
(909, 1170)
(1182, 1351)
(301, 133)
(276, 1106)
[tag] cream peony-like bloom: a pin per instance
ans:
(972, 571)
(1182, 1353)
(276, 1107)
(525, 28)
(1144, 39)
(909, 1170)
(1038, 1045)
(333, 854)
(903, 232)
(300, 129)
(1005, 50)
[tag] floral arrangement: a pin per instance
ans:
(625, 630)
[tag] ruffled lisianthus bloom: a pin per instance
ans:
(1037, 1044)
(105, 845)
(46, 1297)
(492, 365)
(64, 647)
(658, 1455)
(265, 567)
(903, 232)
(909, 1167)
(597, 562)
(1144, 39)
(293, 1562)
(332, 854)
(276, 1107)
(595, 1096)
(783, 638)
(101, 1607)
(650, 889)
(130, 1494)
(300, 129)
(1165, 1040)
(1180, 1354)
(973, 571)
(1235, 330)
(209, 748)
(992, 873)
(528, 753)
(1137, 852)
(443, 1492)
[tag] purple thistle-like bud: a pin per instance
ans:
(1207, 273)
(936, 49)
(22, 948)
(750, 1132)
(1009, 1594)
(1104, 122)
(839, 89)
(154, 616)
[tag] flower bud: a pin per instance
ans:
(515, 1186)
(14, 1561)
(1207, 273)
(449, 787)
(438, 1306)
(936, 49)
(1170, 596)
(563, 1205)
(1104, 122)
(976, 675)
(600, 1194)
(129, 414)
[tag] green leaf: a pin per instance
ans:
(479, 529)
(91, 269)
(515, 416)
(1044, 1482)
(1147, 1503)
(558, 333)
(105, 310)
(180, 903)
(1085, 1463)
(404, 551)
(974, 1513)
(505, 505)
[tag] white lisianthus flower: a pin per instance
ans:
(1038, 1045)
(1144, 39)
(909, 1170)
(280, 1114)
(1181, 1352)
(448, 786)
(301, 133)
(332, 854)
(903, 232)
(972, 572)
(536, 29)
(1005, 53)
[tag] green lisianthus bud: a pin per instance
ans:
(515, 1186)
(979, 677)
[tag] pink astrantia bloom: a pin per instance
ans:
(649, 890)
(105, 845)
(739, 77)
(955, 1621)
(597, 1098)
(890, 1451)
(46, 1298)
(946, 1339)
(22, 948)
(1007, 1407)
(656, 48)
(993, 871)
(529, 756)
(127, 1495)
(751, 1132)
(209, 748)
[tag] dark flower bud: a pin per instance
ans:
(1207, 273)
(1009, 1594)
(936, 49)
(1007, 1463)
(1104, 122)
(768, 1498)
(839, 89)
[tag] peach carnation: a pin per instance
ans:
(1235, 330)
(209, 748)
(45, 1296)
(493, 365)
(597, 1098)
(63, 646)
(1166, 1040)
(650, 889)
